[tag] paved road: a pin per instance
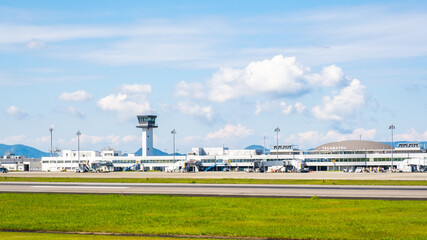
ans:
(225, 190)
(312, 175)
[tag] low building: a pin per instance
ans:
(20, 163)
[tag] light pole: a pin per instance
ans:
(173, 133)
(264, 145)
(78, 146)
(51, 147)
(391, 127)
(277, 130)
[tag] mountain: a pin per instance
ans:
(158, 152)
(22, 150)
(257, 147)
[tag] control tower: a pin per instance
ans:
(147, 123)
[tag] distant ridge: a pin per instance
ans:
(157, 152)
(22, 150)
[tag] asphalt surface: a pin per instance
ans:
(225, 190)
(236, 175)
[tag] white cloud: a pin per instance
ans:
(77, 96)
(194, 90)
(17, 113)
(411, 135)
(193, 109)
(129, 138)
(299, 107)
(344, 105)
(330, 76)
(43, 139)
(129, 102)
(35, 43)
(280, 75)
(284, 107)
(97, 140)
(17, 139)
(230, 131)
(71, 111)
(276, 77)
(314, 138)
(259, 107)
(136, 88)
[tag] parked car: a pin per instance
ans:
(3, 170)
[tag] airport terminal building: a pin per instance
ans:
(341, 156)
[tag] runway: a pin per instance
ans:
(224, 190)
(233, 175)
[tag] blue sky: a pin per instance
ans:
(219, 72)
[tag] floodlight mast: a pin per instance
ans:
(392, 127)
(51, 142)
(264, 145)
(78, 146)
(173, 133)
(277, 130)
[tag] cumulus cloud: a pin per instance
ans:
(129, 138)
(284, 107)
(136, 88)
(17, 113)
(314, 138)
(345, 104)
(71, 111)
(411, 135)
(17, 139)
(35, 43)
(195, 110)
(230, 131)
(93, 139)
(77, 96)
(193, 90)
(299, 107)
(330, 76)
(279, 75)
(128, 102)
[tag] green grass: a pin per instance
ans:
(252, 217)
(43, 236)
(212, 181)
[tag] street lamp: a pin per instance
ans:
(78, 146)
(391, 127)
(173, 133)
(277, 130)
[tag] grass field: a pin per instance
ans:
(253, 217)
(50, 236)
(218, 181)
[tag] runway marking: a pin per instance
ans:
(75, 187)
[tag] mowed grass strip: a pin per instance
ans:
(54, 236)
(218, 181)
(246, 217)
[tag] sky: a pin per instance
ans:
(222, 73)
